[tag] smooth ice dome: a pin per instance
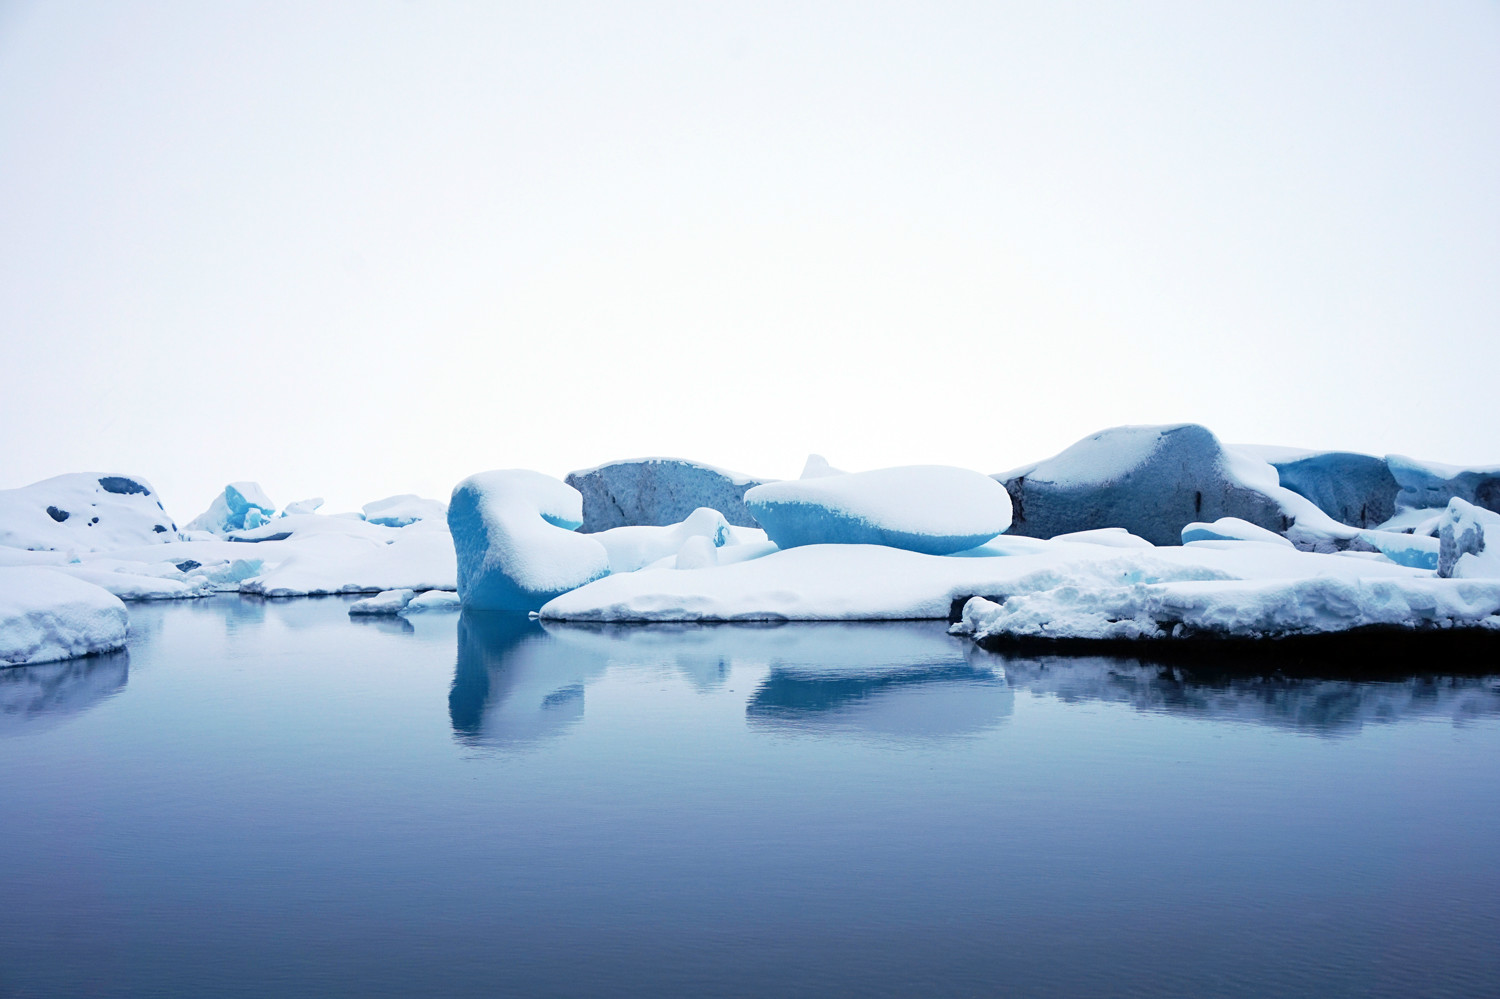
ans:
(84, 511)
(658, 492)
(513, 534)
(934, 509)
(400, 511)
(46, 615)
(1232, 529)
(232, 509)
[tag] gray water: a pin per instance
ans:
(271, 799)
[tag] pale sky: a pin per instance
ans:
(359, 249)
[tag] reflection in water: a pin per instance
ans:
(910, 701)
(35, 697)
(513, 684)
(1252, 692)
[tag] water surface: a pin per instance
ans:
(269, 798)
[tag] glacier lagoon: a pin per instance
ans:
(270, 797)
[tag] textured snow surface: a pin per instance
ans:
(1253, 608)
(658, 492)
(1232, 529)
(514, 534)
(84, 512)
(399, 511)
(870, 582)
(933, 509)
(46, 615)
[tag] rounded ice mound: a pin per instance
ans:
(46, 615)
(84, 511)
(933, 509)
(513, 534)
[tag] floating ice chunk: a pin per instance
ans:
(933, 509)
(817, 467)
(399, 511)
(1469, 542)
(230, 508)
(432, 600)
(1232, 529)
(513, 532)
(84, 511)
(46, 615)
(658, 492)
(1110, 537)
(1416, 550)
(303, 506)
(390, 602)
(1260, 608)
(631, 548)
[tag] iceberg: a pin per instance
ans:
(515, 541)
(432, 600)
(390, 602)
(1355, 489)
(231, 510)
(1232, 529)
(1429, 484)
(400, 511)
(1469, 542)
(658, 492)
(632, 548)
(47, 615)
(84, 512)
(933, 509)
(302, 506)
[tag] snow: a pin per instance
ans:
(1416, 550)
(144, 584)
(1110, 537)
(1232, 529)
(632, 548)
(934, 509)
(231, 508)
(658, 492)
(46, 615)
(399, 511)
(84, 511)
(432, 600)
(338, 558)
(303, 506)
(1256, 608)
(386, 602)
(817, 466)
(513, 532)
(871, 582)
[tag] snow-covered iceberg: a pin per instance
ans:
(658, 492)
(399, 511)
(1155, 480)
(1352, 488)
(240, 506)
(46, 615)
(84, 512)
(934, 509)
(1428, 484)
(632, 548)
(1469, 542)
(514, 534)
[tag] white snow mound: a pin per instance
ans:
(46, 615)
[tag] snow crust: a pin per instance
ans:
(46, 615)
(933, 509)
(84, 512)
(513, 532)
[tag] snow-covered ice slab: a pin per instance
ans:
(934, 509)
(241, 505)
(870, 582)
(337, 556)
(431, 601)
(632, 548)
(84, 512)
(1254, 608)
(514, 536)
(46, 615)
(658, 492)
(1232, 529)
(391, 602)
(408, 508)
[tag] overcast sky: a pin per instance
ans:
(359, 249)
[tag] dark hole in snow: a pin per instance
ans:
(56, 514)
(281, 536)
(94, 521)
(159, 529)
(187, 565)
(159, 506)
(122, 485)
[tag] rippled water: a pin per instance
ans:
(269, 798)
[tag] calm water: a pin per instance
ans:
(269, 799)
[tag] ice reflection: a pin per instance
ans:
(514, 684)
(1256, 692)
(33, 698)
